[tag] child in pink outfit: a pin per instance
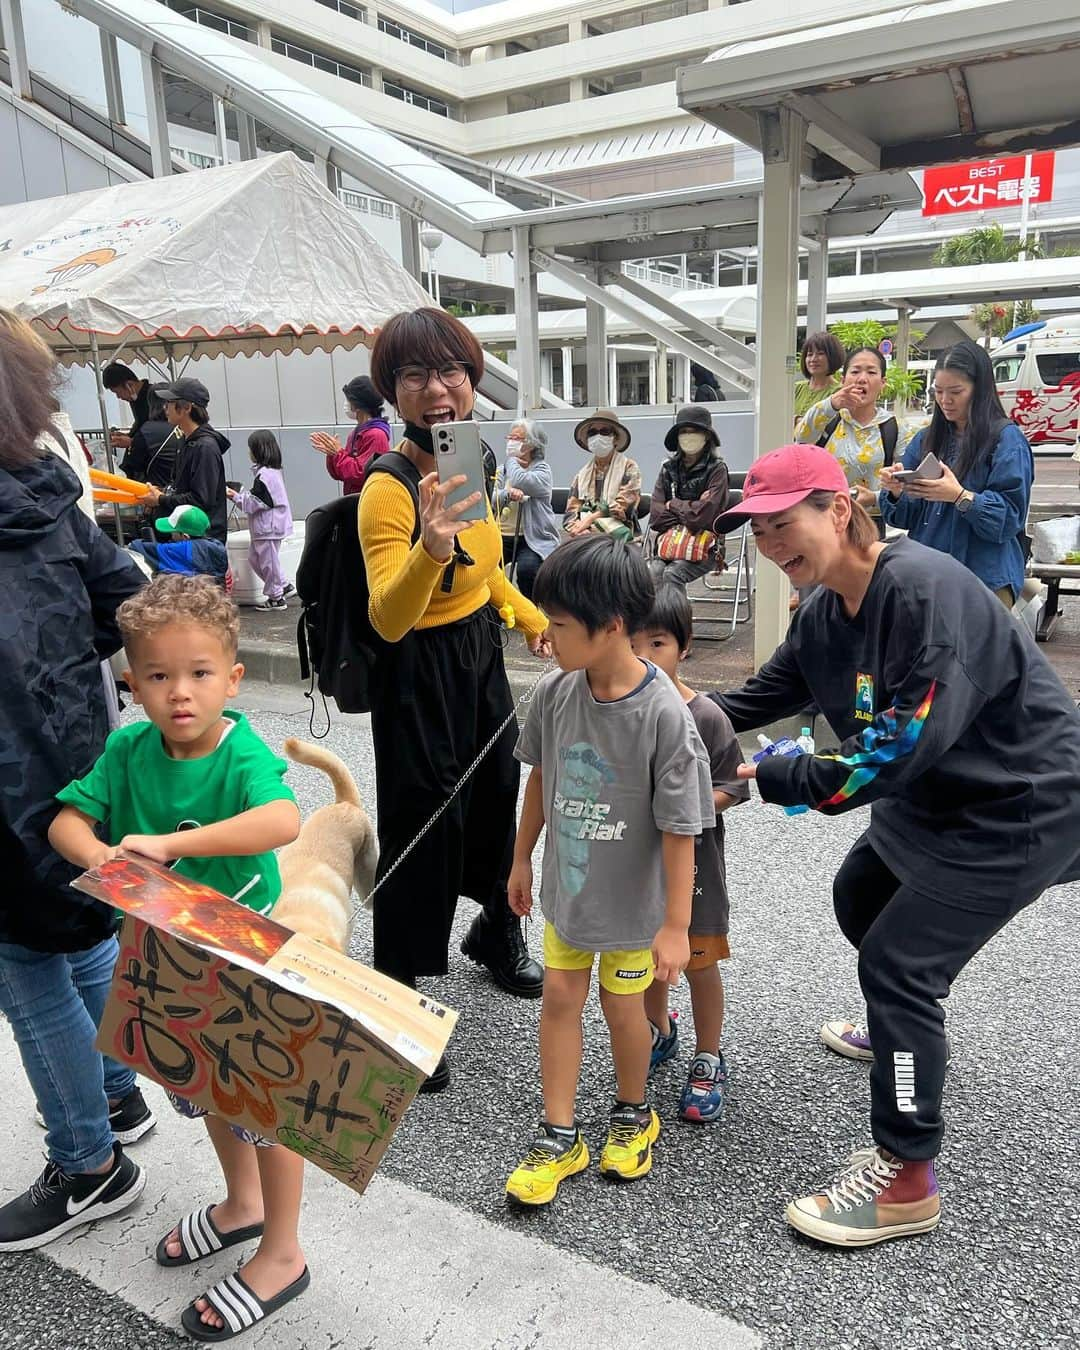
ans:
(270, 520)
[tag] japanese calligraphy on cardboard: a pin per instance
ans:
(262, 1026)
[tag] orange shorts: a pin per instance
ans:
(706, 951)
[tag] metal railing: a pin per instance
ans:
(371, 206)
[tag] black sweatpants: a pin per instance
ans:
(441, 693)
(911, 947)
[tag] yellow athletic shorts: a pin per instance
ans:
(706, 951)
(628, 972)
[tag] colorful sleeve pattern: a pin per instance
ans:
(882, 745)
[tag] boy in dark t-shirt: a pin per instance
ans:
(664, 638)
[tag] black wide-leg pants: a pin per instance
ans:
(439, 695)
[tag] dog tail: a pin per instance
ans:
(318, 757)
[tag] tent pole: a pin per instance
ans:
(105, 432)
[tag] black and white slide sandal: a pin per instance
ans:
(201, 1237)
(238, 1306)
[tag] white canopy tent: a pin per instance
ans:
(253, 257)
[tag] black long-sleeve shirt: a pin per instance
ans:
(199, 480)
(947, 714)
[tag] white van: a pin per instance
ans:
(1037, 372)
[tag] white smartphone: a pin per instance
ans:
(458, 450)
(930, 467)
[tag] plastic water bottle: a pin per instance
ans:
(786, 746)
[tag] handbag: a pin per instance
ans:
(615, 528)
(682, 545)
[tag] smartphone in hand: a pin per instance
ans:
(930, 468)
(458, 450)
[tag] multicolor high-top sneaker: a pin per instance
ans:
(877, 1197)
(848, 1038)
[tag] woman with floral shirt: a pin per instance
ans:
(851, 426)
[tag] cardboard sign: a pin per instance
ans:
(264, 1027)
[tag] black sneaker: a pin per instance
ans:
(56, 1203)
(279, 603)
(287, 590)
(131, 1118)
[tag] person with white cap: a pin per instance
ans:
(953, 726)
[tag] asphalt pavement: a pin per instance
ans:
(698, 1252)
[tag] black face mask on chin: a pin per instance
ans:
(421, 436)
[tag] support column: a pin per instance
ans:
(596, 364)
(248, 142)
(782, 138)
(568, 374)
(110, 69)
(15, 44)
(221, 131)
(902, 345)
(410, 244)
(683, 385)
(817, 282)
(613, 377)
(654, 365)
(663, 394)
(527, 317)
(157, 122)
(262, 33)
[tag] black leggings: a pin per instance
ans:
(911, 947)
(442, 693)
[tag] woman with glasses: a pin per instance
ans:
(523, 500)
(440, 692)
(977, 510)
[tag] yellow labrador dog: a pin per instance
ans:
(334, 854)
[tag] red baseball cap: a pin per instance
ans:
(783, 478)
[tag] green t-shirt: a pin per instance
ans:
(136, 788)
(805, 397)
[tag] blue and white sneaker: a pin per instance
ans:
(703, 1096)
(664, 1047)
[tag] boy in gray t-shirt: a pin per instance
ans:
(622, 781)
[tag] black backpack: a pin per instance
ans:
(890, 434)
(337, 643)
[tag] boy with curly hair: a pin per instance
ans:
(195, 786)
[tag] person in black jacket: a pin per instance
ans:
(691, 491)
(199, 475)
(151, 454)
(953, 726)
(61, 582)
(122, 381)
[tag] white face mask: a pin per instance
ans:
(601, 445)
(350, 413)
(517, 448)
(691, 442)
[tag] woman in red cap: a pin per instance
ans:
(947, 711)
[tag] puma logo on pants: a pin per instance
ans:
(904, 1077)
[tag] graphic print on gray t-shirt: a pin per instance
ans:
(616, 776)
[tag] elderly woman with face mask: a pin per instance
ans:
(690, 492)
(604, 495)
(522, 500)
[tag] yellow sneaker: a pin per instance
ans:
(550, 1160)
(627, 1154)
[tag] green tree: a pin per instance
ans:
(985, 244)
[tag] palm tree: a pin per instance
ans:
(986, 244)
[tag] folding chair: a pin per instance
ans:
(731, 588)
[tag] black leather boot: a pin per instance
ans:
(494, 940)
(439, 1080)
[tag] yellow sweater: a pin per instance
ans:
(405, 582)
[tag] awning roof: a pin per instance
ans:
(918, 84)
(253, 257)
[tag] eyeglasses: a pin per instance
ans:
(452, 375)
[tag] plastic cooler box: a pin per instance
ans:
(247, 588)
